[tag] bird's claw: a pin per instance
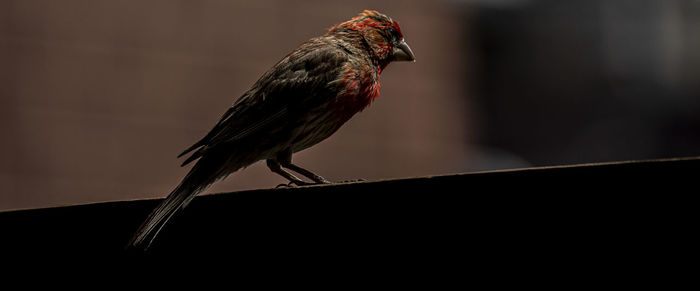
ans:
(354, 180)
(294, 184)
(290, 185)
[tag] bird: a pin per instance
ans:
(303, 99)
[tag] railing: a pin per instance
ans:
(578, 212)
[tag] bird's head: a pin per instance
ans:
(377, 33)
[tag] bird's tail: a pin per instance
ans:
(199, 178)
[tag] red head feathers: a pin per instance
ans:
(380, 34)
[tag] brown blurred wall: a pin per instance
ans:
(98, 97)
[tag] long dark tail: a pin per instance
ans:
(204, 173)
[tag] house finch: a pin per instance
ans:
(300, 101)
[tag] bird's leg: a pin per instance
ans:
(285, 159)
(315, 177)
(276, 168)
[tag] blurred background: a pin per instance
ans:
(98, 97)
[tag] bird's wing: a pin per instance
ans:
(296, 82)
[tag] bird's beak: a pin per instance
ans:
(403, 53)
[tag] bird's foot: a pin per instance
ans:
(353, 181)
(290, 185)
(293, 184)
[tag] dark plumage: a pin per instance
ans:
(300, 101)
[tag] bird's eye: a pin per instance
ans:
(394, 34)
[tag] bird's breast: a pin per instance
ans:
(359, 87)
(322, 121)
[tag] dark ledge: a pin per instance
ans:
(627, 212)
